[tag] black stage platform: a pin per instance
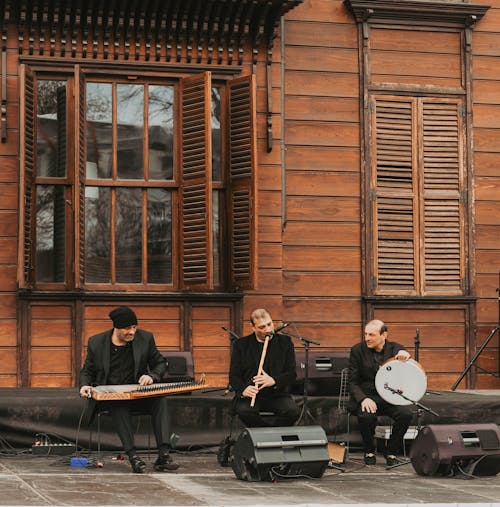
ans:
(202, 419)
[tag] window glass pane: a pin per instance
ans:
(161, 132)
(216, 240)
(99, 130)
(50, 233)
(97, 235)
(130, 119)
(128, 235)
(51, 129)
(216, 135)
(159, 236)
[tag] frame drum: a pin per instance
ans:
(401, 382)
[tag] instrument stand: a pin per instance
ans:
(493, 332)
(420, 413)
(305, 413)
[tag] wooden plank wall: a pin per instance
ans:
(486, 159)
(9, 367)
(322, 241)
(322, 257)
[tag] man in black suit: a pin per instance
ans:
(364, 361)
(270, 387)
(128, 355)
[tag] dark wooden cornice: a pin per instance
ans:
(442, 12)
(208, 31)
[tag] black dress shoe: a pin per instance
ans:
(164, 463)
(370, 458)
(138, 466)
(391, 460)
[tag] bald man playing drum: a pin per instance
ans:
(365, 360)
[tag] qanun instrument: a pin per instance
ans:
(136, 391)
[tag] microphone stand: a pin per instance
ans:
(420, 412)
(306, 342)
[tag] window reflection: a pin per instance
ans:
(216, 135)
(99, 130)
(97, 235)
(128, 235)
(51, 129)
(161, 132)
(159, 235)
(130, 131)
(50, 233)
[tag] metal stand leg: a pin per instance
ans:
(473, 360)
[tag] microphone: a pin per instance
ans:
(286, 324)
(233, 335)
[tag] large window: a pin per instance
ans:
(138, 182)
(417, 195)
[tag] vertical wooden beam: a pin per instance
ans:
(5, 24)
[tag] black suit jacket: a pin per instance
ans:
(147, 360)
(279, 363)
(363, 369)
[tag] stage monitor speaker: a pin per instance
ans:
(180, 366)
(469, 449)
(324, 372)
(266, 454)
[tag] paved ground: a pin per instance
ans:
(44, 480)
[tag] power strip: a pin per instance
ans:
(53, 449)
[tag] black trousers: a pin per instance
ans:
(122, 411)
(285, 410)
(400, 414)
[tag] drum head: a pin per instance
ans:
(397, 380)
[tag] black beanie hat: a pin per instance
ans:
(123, 317)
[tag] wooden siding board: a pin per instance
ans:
(322, 184)
(322, 84)
(337, 109)
(425, 66)
(314, 258)
(322, 234)
(485, 164)
(327, 310)
(323, 158)
(401, 40)
(321, 284)
(324, 209)
(321, 34)
(313, 59)
(50, 361)
(322, 134)
(50, 333)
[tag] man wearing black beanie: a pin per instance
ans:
(128, 355)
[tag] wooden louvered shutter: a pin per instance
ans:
(196, 183)
(443, 176)
(243, 156)
(80, 161)
(393, 196)
(27, 165)
(418, 184)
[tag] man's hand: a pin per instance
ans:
(402, 355)
(85, 391)
(264, 380)
(145, 380)
(250, 391)
(368, 405)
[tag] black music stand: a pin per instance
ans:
(493, 332)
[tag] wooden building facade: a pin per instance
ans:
(332, 161)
